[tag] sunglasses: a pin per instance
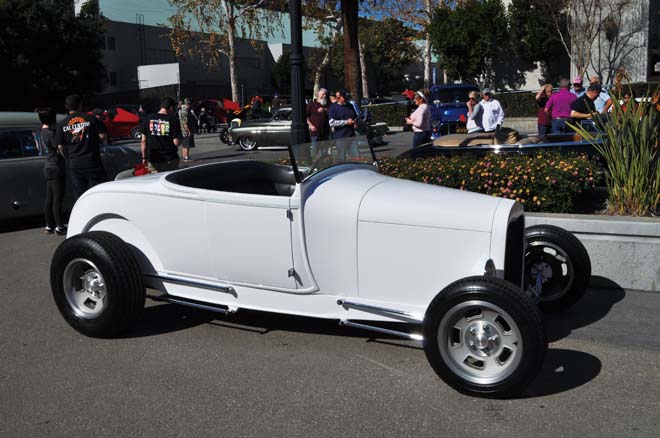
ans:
(471, 98)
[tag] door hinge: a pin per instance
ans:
(289, 214)
(292, 272)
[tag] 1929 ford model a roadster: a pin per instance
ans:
(327, 237)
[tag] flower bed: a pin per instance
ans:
(547, 182)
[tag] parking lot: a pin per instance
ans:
(187, 372)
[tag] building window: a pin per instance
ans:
(102, 43)
(112, 76)
(111, 43)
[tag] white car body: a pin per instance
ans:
(345, 233)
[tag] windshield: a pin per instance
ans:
(450, 95)
(311, 158)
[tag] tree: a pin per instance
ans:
(417, 13)
(324, 18)
(576, 23)
(49, 53)
(389, 48)
(352, 71)
(469, 38)
(218, 24)
(620, 22)
(533, 37)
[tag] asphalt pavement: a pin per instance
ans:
(186, 372)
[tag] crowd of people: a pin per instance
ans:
(570, 104)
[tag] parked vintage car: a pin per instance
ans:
(121, 122)
(276, 131)
(449, 109)
(22, 181)
(504, 142)
(328, 237)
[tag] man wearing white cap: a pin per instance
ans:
(493, 114)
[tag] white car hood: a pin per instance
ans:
(402, 202)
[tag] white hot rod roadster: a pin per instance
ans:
(327, 237)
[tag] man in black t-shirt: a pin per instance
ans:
(79, 137)
(161, 136)
(584, 107)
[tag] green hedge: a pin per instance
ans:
(546, 182)
(392, 114)
(518, 104)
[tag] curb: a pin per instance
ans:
(624, 250)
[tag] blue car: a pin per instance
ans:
(448, 108)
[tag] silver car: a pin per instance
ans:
(276, 131)
(22, 157)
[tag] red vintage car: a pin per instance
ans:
(121, 123)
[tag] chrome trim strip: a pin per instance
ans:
(411, 336)
(182, 302)
(182, 280)
(370, 308)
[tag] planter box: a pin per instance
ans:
(624, 250)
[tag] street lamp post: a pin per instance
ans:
(299, 132)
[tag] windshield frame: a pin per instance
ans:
(308, 159)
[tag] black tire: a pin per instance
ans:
(136, 133)
(484, 310)
(224, 135)
(111, 265)
(563, 263)
(247, 143)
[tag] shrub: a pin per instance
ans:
(518, 104)
(631, 147)
(394, 114)
(547, 182)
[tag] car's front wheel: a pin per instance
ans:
(224, 135)
(558, 264)
(484, 336)
(247, 143)
(97, 284)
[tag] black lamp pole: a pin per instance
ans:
(299, 131)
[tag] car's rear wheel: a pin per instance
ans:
(483, 336)
(559, 261)
(247, 143)
(97, 284)
(136, 133)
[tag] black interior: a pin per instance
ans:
(253, 177)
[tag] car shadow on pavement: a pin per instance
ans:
(563, 370)
(166, 318)
(594, 305)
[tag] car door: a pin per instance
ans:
(22, 182)
(249, 238)
(279, 129)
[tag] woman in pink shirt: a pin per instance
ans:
(420, 120)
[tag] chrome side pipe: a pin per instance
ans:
(411, 336)
(184, 302)
(376, 309)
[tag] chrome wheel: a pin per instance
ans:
(247, 143)
(554, 267)
(84, 288)
(480, 342)
(136, 133)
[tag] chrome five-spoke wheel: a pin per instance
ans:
(84, 288)
(480, 342)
